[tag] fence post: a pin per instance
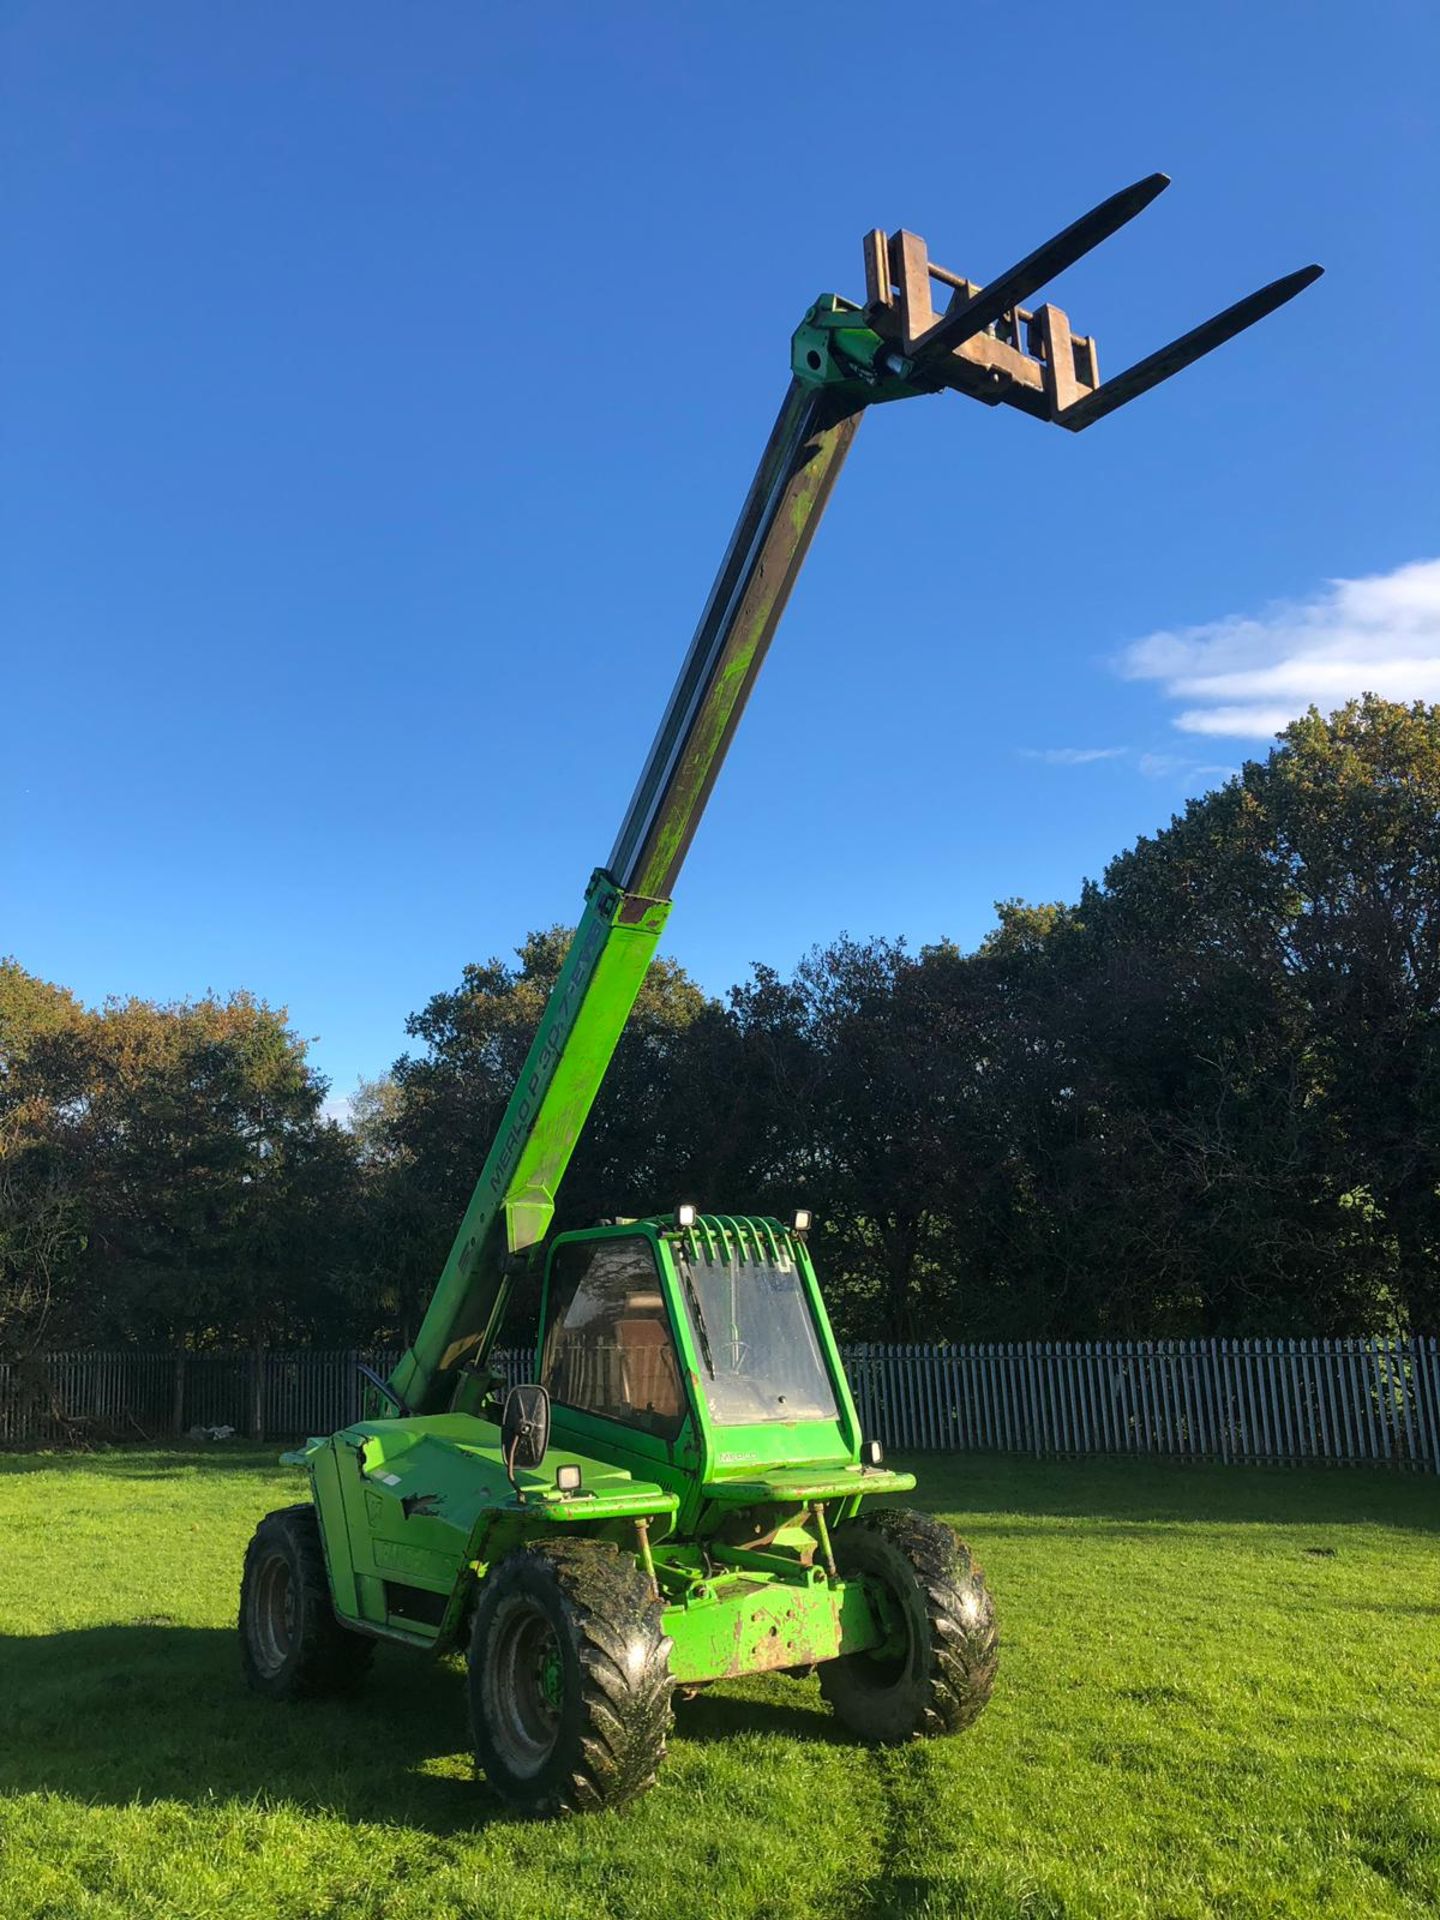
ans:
(177, 1400)
(257, 1389)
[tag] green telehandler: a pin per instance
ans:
(685, 1492)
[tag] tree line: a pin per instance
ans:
(1202, 1099)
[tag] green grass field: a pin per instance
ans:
(1220, 1694)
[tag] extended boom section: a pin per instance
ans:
(797, 472)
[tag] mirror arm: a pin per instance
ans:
(383, 1388)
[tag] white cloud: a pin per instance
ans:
(1070, 756)
(1179, 766)
(1155, 766)
(1247, 677)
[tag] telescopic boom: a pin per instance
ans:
(844, 358)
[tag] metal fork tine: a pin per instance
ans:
(1180, 353)
(999, 296)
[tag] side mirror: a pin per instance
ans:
(524, 1429)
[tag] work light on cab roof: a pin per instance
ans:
(682, 1493)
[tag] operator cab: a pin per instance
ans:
(651, 1326)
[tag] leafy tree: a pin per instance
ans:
(374, 1119)
(858, 1090)
(42, 1212)
(1287, 929)
(187, 1146)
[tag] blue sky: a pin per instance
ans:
(380, 384)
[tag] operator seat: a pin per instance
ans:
(647, 1358)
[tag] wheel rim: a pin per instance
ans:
(527, 1688)
(884, 1667)
(272, 1614)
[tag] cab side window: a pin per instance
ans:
(608, 1346)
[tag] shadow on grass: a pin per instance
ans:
(152, 1711)
(788, 1708)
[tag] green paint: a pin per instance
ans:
(831, 351)
(750, 1623)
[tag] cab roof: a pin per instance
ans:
(748, 1236)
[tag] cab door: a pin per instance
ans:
(609, 1357)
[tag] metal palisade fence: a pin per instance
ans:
(61, 1399)
(1278, 1402)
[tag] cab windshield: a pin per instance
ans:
(754, 1338)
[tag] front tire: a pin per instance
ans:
(570, 1687)
(941, 1681)
(292, 1647)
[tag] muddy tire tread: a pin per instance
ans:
(626, 1688)
(331, 1659)
(963, 1653)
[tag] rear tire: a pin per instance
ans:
(292, 1647)
(942, 1680)
(570, 1687)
